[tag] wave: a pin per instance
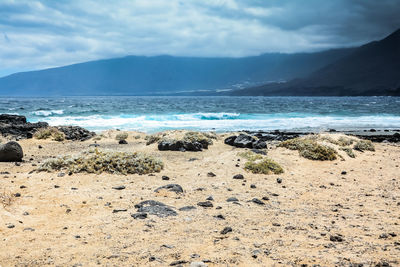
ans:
(46, 113)
(223, 122)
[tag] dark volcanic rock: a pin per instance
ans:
(230, 140)
(11, 151)
(244, 140)
(232, 199)
(187, 208)
(139, 215)
(226, 230)
(76, 133)
(238, 176)
(177, 145)
(205, 204)
(170, 187)
(122, 142)
(155, 208)
(16, 126)
(259, 144)
(257, 201)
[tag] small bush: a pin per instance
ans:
(104, 161)
(250, 155)
(349, 152)
(363, 145)
(344, 141)
(310, 149)
(6, 199)
(265, 166)
(137, 137)
(197, 137)
(151, 139)
(121, 136)
(45, 133)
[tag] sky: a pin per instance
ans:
(50, 33)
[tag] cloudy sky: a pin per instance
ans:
(49, 33)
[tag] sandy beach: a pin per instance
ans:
(317, 213)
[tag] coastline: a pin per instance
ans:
(81, 219)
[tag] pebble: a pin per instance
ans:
(10, 226)
(120, 187)
(336, 238)
(226, 230)
(211, 174)
(170, 187)
(257, 201)
(119, 210)
(210, 198)
(187, 208)
(232, 199)
(139, 215)
(61, 174)
(279, 180)
(238, 176)
(205, 204)
(219, 217)
(165, 178)
(253, 186)
(343, 173)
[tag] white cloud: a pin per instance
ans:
(40, 34)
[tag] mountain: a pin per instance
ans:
(372, 69)
(139, 75)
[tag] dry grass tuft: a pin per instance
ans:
(121, 136)
(260, 164)
(310, 149)
(364, 145)
(45, 133)
(105, 161)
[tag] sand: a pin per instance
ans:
(69, 220)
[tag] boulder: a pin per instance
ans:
(178, 145)
(243, 141)
(16, 126)
(230, 140)
(11, 152)
(76, 133)
(259, 144)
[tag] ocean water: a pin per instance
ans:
(152, 114)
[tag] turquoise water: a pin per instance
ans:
(152, 114)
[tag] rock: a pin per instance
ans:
(139, 215)
(226, 230)
(94, 145)
(219, 217)
(211, 174)
(336, 238)
(165, 178)
(120, 187)
(230, 140)
(279, 180)
(198, 264)
(210, 198)
(16, 126)
(232, 199)
(253, 186)
(174, 263)
(187, 208)
(177, 145)
(238, 177)
(11, 152)
(61, 174)
(119, 210)
(205, 204)
(170, 187)
(122, 142)
(257, 151)
(259, 144)
(343, 173)
(243, 141)
(155, 208)
(257, 201)
(76, 133)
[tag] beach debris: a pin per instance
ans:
(104, 161)
(11, 152)
(310, 149)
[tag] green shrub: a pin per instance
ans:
(344, 141)
(349, 152)
(121, 136)
(310, 149)
(198, 137)
(250, 155)
(265, 166)
(363, 145)
(45, 133)
(151, 139)
(104, 161)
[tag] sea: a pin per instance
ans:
(210, 113)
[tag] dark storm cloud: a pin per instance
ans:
(49, 33)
